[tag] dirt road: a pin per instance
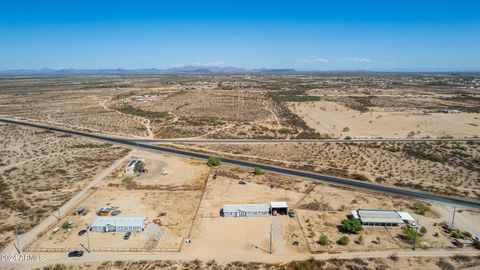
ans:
(222, 257)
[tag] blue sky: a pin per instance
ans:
(306, 35)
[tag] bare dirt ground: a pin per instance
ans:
(340, 121)
(249, 106)
(324, 208)
(250, 235)
(153, 195)
(41, 170)
(417, 263)
(446, 168)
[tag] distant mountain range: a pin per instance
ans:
(150, 71)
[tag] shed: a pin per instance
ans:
(279, 207)
(118, 224)
(406, 217)
(245, 210)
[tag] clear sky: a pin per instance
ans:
(306, 35)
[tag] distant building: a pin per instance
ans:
(382, 217)
(118, 224)
(130, 168)
(447, 110)
(245, 210)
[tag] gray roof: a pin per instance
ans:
(379, 216)
(119, 221)
(246, 208)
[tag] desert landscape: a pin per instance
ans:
(244, 106)
(41, 170)
(182, 198)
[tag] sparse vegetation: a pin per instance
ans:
(213, 161)
(128, 109)
(343, 241)
(258, 171)
(420, 208)
(323, 241)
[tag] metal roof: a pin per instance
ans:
(119, 221)
(406, 216)
(278, 204)
(246, 208)
(379, 216)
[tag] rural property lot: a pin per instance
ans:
(39, 171)
(247, 235)
(340, 121)
(168, 201)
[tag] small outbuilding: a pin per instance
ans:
(130, 168)
(280, 208)
(245, 210)
(118, 224)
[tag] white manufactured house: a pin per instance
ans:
(118, 224)
(382, 217)
(130, 168)
(246, 210)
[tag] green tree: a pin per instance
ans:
(351, 225)
(213, 161)
(423, 230)
(323, 240)
(344, 240)
(258, 171)
(411, 234)
(360, 240)
(66, 225)
(139, 166)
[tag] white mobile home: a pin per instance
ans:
(246, 210)
(382, 217)
(118, 224)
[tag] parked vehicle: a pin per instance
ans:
(291, 213)
(75, 253)
(56, 229)
(115, 212)
(127, 235)
(82, 232)
(242, 182)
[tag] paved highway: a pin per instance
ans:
(241, 141)
(310, 175)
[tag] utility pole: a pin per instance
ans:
(58, 213)
(271, 228)
(88, 238)
(416, 231)
(18, 240)
(453, 218)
